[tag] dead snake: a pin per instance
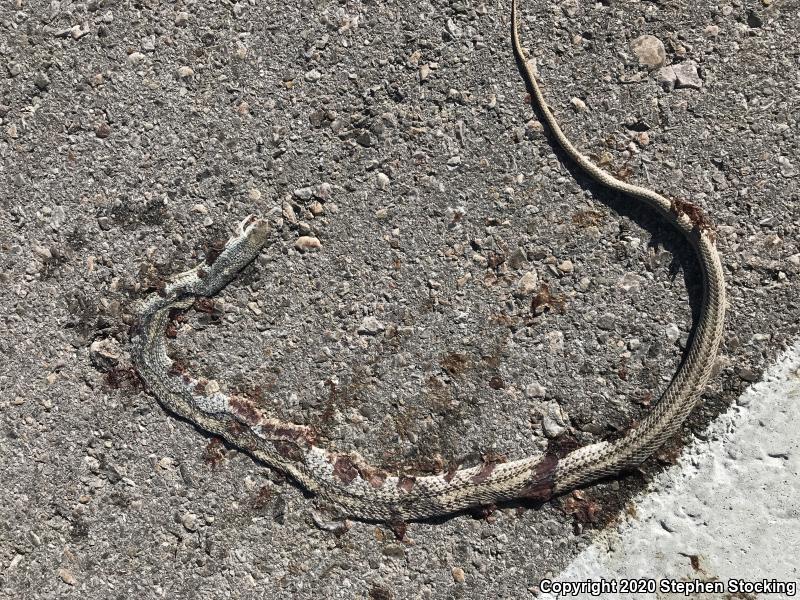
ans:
(363, 491)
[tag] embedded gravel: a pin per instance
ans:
(440, 283)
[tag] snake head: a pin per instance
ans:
(251, 233)
(253, 228)
(250, 236)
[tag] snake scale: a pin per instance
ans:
(366, 492)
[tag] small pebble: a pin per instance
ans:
(747, 374)
(67, 577)
(134, 58)
(304, 193)
(554, 420)
(606, 321)
(555, 342)
(649, 50)
(786, 166)
(686, 75)
(77, 33)
(754, 20)
(370, 326)
(287, 210)
(526, 284)
(364, 139)
(453, 29)
(630, 282)
(535, 390)
(383, 180)
(518, 259)
(666, 77)
(313, 76)
(105, 353)
(578, 104)
(570, 7)
(307, 243)
(103, 130)
(189, 521)
(41, 81)
(184, 72)
(534, 126)
(458, 575)
(323, 191)
(673, 332)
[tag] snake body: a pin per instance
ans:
(363, 491)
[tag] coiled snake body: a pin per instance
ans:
(366, 492)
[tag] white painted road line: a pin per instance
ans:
(728, 512)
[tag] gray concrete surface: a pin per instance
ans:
(135, 134)
(726, 515)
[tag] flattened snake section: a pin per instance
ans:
(363, 491)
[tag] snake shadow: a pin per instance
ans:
(684, 262)
(662, 233)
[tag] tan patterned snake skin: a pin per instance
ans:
(362, 491)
